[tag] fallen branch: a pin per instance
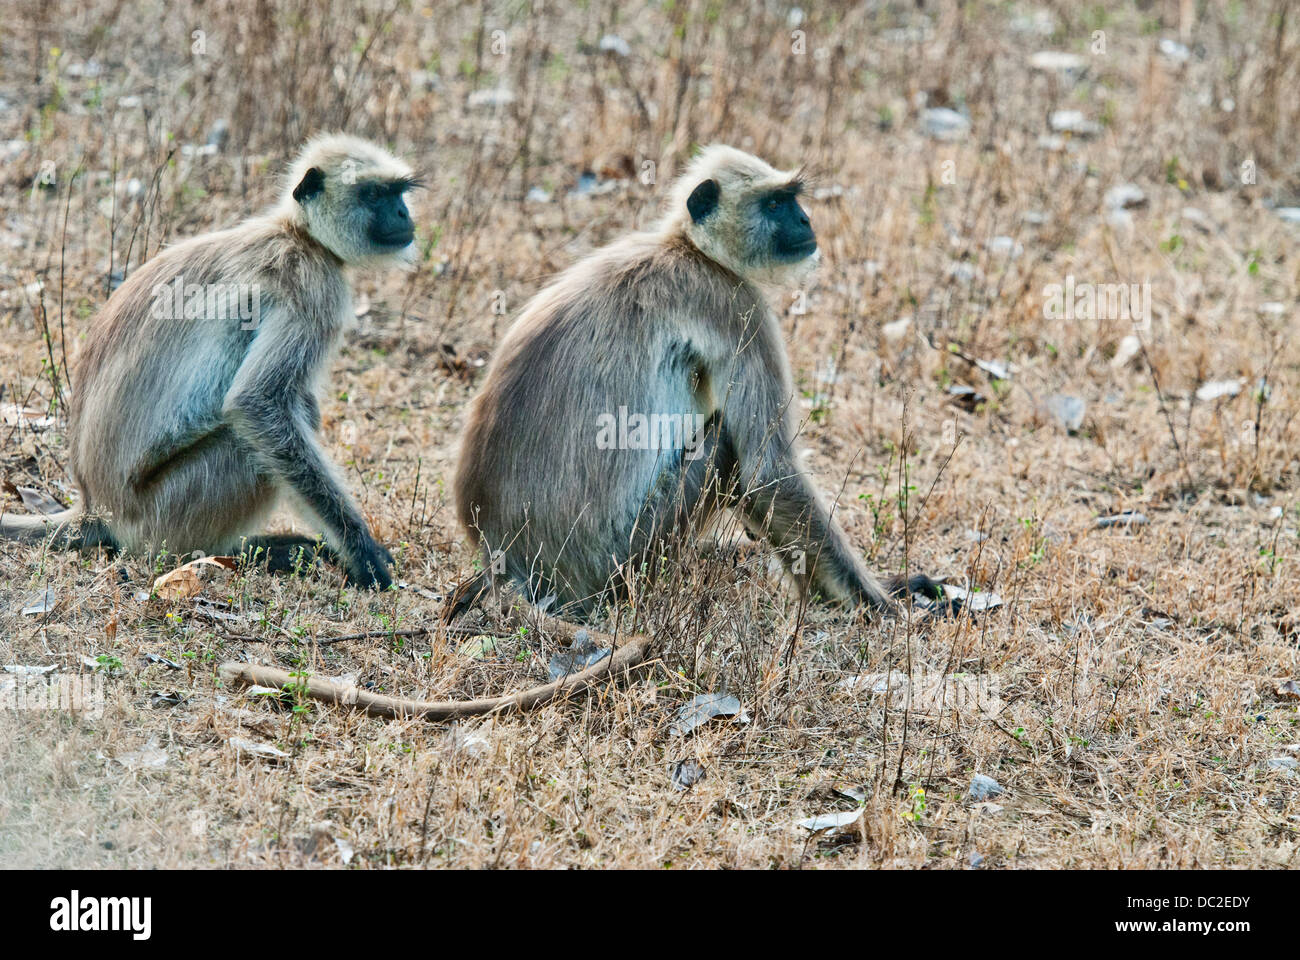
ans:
(406, 633)
(623, 658)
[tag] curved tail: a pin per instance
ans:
(68, 528)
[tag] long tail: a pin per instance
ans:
(629, 655)
(35, 526)
(622, 658)
(67, 528)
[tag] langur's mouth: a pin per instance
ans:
(396, 240)
(800, 252)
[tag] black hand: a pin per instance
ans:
(368, 566)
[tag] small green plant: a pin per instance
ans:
(916, 793)
(297, 688)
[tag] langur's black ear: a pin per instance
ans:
(703, 200)
(313, 182)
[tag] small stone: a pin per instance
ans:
(965, 396)
(1057, 61)
(964, 273)
(1129, 518)
(219, 135)
(893, 332)
(1173, 51)
(498, 97)
(1073, 121)
(1005, 246)
(1128, 348)
(612, 43)
(90, 69)
(942, 123)
(1217, 389)
(1285, 764)
(1124, 196)
(983, 788)
(1066, 410)
(1197, 218)
(1036, 22)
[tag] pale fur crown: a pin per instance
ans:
(732, 236)
(334, 218)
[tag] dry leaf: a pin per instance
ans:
(686, 773)
(481, 647)
(186, 580)
(40, 604)
(15, 415)
(149, 757)
(849, 821)
(37, 502)
(705, 707)
(264, 750)
(575, 659)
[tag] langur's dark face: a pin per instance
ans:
(789, 227)
(773, 227)
(389, 223)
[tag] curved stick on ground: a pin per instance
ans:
(624, 657)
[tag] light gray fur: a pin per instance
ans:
(668, 321)
(184, 432)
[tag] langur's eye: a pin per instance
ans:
(773, 204)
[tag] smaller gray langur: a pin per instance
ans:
(186, 430)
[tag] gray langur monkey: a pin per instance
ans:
(185, 429)
(670, 323)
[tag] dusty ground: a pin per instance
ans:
(1141, 714)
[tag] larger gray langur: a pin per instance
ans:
(194, 396)
(670, 325)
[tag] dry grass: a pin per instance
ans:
(1138, 667)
